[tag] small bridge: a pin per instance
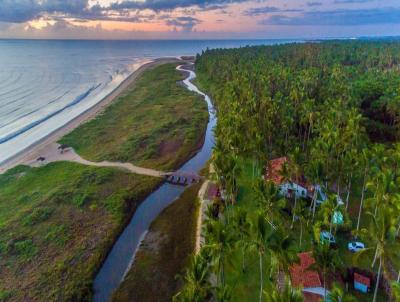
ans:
(182, 178)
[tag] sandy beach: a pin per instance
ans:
(47, 144)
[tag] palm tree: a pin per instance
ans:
(382, 233)
(337, 294)
(326, 259)
(242, 227)
(281, 250)
(222, 293)
(316, 172)
(295, 169)
(261, 244)
(289, 294)
(366, 163)
(328, 210)
(196, 280)
(219, 243)
(302, 215)
(266, 194)
(396, 290)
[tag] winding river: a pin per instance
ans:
(122, 255)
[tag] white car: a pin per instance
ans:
(355, 246)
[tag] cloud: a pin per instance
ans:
(183, 23)
(268, 9)
(312, 4)
(158, 5)
(18, 11)
(351, 1)
(339, 17)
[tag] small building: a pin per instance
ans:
(299, 186)
(362, 283)
(293, 188)
(302, 276)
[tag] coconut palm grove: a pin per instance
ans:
(307, 176)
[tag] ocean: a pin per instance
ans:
(46, 83)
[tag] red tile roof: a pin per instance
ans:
(362, 279)
(274, 170)
(301, 275)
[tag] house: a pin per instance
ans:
(304, 277)
(293, 188)
(362, 283)
(301, 275)
(300, 187)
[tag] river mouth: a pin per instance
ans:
(122, 254)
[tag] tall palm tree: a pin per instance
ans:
(222, 293)
(289, 294)
(382, 233)
(196, 280)
(295, 169)
(260, 242)
(337, 294)
(219, 241)
(266, 195)
(327, 259)
(328, 209)
(242, 227)
(281, 250)
(366, 164)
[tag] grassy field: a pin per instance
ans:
(156, 124)
(57, 222)
(164, 253)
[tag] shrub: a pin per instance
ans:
(25, 249)
(57, 235)
(37, 215)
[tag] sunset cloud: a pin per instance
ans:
(197, 18)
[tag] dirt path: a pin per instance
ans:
(39, 148)
(51, 153)
(204, 203)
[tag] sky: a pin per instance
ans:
(198, 19)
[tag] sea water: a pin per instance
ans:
(44, 84)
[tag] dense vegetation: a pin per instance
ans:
(155, 123)
(164, 253)
(333, 109)
(58, 221)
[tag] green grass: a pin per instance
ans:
(57, 223)
(156, 123)
(165, 252)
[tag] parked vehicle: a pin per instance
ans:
(355, 246)
(327, 237)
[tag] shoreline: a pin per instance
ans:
(33, 151)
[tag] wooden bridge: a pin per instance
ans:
(182, 178)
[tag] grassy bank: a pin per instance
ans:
(58, 222)
(157, 124)
(164, 253)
